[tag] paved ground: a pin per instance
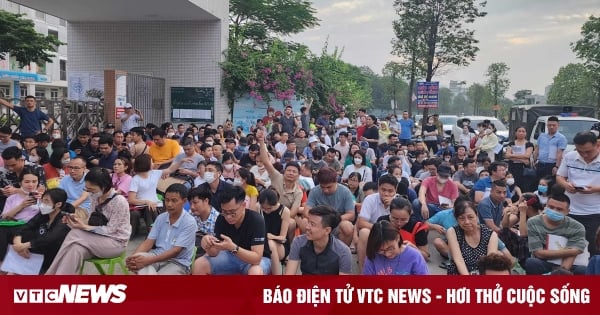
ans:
(434, 262)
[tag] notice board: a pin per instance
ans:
(192, 104)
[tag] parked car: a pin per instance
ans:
(449, 122)
(501, 130)
(568, 127)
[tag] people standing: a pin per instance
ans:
(30, 116)
(130, 118)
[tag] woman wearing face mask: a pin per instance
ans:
(518, 153)
(21, 206)
(245, 179)
(104, 235)
(388, 255)
(45, 233)
(354, 147)
(260, 174)
(39, 156)
(57, 167)
(543, 189)
(359, 165)
(384, 132)
(489, 142)
(512, 186)
(229, 167)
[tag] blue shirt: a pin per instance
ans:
(108, 161)
(487, 209)
(445, 218)
(485, 185)
(548, 146)
(407, 126)
(74, 190)
(30, 121)
(181, 234)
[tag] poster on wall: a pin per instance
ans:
(247, 110)
(80, 83)
(192, 104)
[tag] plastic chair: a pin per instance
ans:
(99, 263)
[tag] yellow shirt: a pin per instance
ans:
(165, 153)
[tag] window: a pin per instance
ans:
(54, 94)
(63, 70)
(53, 33)
(23, 89)
(40, 15)
(5, 91)
(40, 94)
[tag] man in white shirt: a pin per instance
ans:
(579, 175)
(373, 207)
(341, 123)
(343, 146)
(130, 118)
(281, 146)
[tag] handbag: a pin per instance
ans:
(529, 171)
(97, 218)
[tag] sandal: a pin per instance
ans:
(444, 265)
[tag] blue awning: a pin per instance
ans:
(22, 76)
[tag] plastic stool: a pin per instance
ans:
(111, 262)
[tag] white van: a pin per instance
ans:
(568, 127)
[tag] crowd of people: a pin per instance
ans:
(296, 196)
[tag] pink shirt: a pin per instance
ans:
(432, 195)
(121, 184)
(16, 199)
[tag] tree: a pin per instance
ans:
(19, 38)
(460, 105)
(572, 86)
(520, 96)
(445, 100)
(477, 94)
(393, 70)
(497, 82)
(443, 38)
(254, 21)
(588, 49)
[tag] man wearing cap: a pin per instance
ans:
(109, 129)
(436, 193)
(130, 118)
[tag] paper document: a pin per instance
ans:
(443, 200)
(14, 263)
(554, 242)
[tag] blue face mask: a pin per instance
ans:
(554, 216)
(542, 189)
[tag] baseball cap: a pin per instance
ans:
(313, 139)
(443, 171)
(364, 145)
(128, 105)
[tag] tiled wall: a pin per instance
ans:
(184, 53)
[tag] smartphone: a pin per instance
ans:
(580, 188)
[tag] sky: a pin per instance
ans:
(531, 36)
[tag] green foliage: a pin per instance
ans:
(572, 85)
(520, 96)
(497, 82)
(254, 21)
(19, 38)
(588, 49)
(442, 36)
(480, 98)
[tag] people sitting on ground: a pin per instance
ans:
(277, 219)
(494, 264)
(317, 252)
(468, 240)
(169, 247)
(239, 245)
(104, 235)
(387, 254)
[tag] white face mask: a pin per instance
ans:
(228, 167)
(237, 181)
(209, 142)
(357, 161)
(66, 162)
(96, 195)
(46, 209)
(209, 177)
(510, 181)
(34, 159)
(56, 135)
(170, 134)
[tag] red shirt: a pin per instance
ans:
(450, 190)
(360, 131)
